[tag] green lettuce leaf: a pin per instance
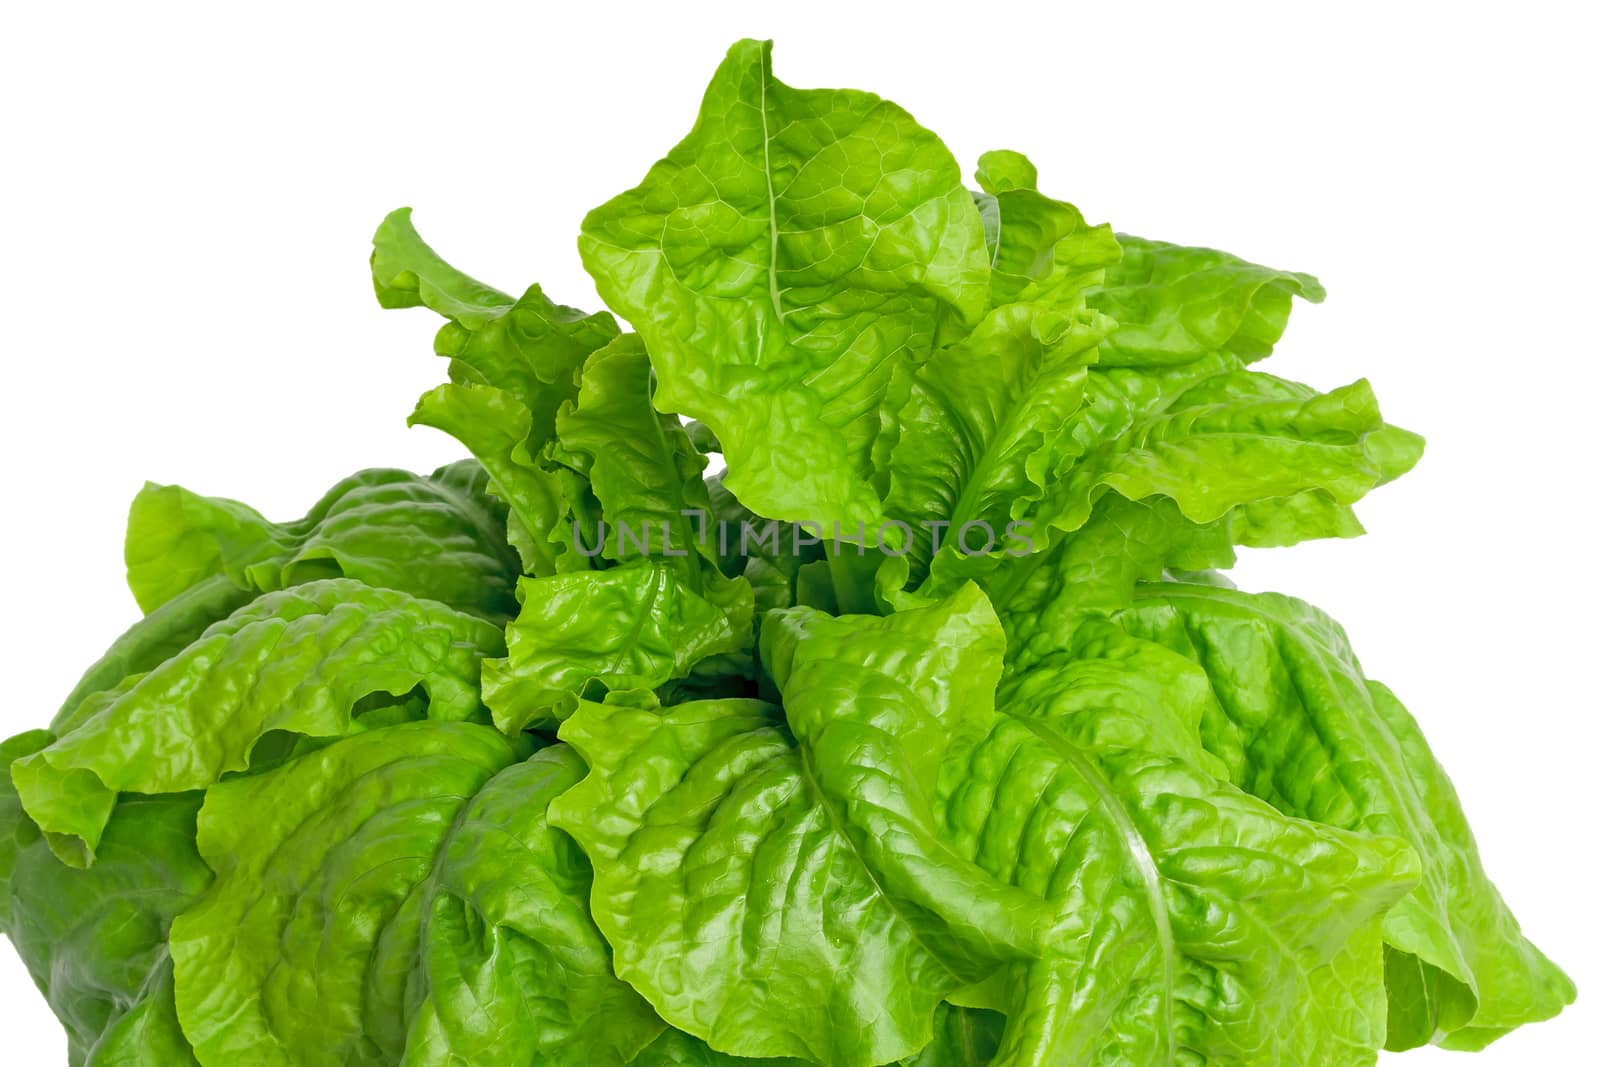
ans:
(1197, 923)
(399, 898)
(149, 1034)
(779, 264)
(665, 606)
(750, 907)
(1275, 461)
(633, 627)
(514, 364)
(981, 429)
(495, 427)
(408, 273)
(438, 537)
(195, 560)
(1174, 304)
(95, 940)
(1226, 439)
(644, 471)
(296, 661)
(1043, 256)
(1149, 869)
(1043, 598)
(1164, 406)
(530, 347)
(1241, 457)
(1119, 693)
(701, 825)
(1040, 250)
(1306, 731)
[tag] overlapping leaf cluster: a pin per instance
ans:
(456, 771)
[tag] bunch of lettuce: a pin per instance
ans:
(544, 759)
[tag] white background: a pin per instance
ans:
(186, 199)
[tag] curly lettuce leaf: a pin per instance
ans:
(1149, 870)
(779, 264)
(399, 898)
(514, 364)
(1305, 730)
(642, 467)
(530, 347)
(663, 606)
(1174, 304)
(293, 662)
(980, 429)
(1092, 572)
(633, 627)
(1276, 462)
(1226, 439)
(1118, 692)
(1192, 424)
(1249, 458)
(438, 537)
(495, 427)
(857, 984)
(408, 273)
(1040, 250)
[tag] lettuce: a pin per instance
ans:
(926, 731)
(1362, 763)
(406, 885)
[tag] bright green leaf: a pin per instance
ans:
(495, 426)
(296, 661)
(779, 264)
(631, 627)
(1040, 250)
(641, 465)
(981, 426)
(530, 347)
(1175, 304)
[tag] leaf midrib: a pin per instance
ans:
(838, 823)
(1138, 850)
(772, 197)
